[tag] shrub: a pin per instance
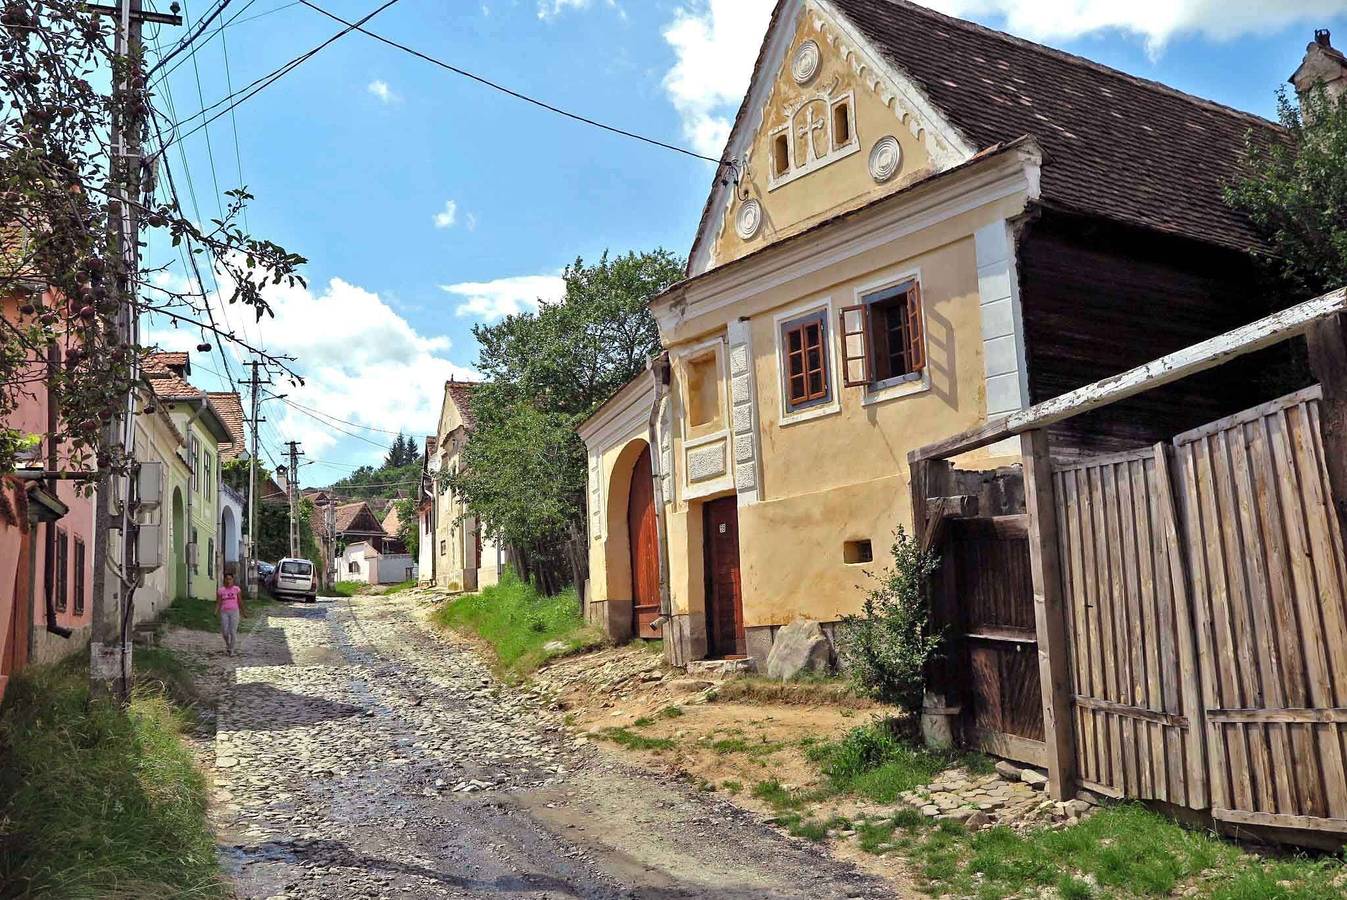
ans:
(887, 647)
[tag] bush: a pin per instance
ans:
(887, 647)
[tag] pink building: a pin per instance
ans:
(46, 543)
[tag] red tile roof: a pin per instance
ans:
(229, 406)
(461, 392)
(1115, 145)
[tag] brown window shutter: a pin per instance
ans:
(854, 322)
(915, 334)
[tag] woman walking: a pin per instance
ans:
(229, 607)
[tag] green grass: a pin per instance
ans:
(732, 787)
(518, 623)
(670, 712)
(100, 801)
(737, 744)
(199, 615)
(345, 589)
(402, 586)
(878, 762)
(625, 737)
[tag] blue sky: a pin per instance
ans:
(426, 202)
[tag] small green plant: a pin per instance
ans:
(643, 722)
(877, 762)
(670, 712)
(777, 795)
(888, 646)
(732, 787)
(624, 737)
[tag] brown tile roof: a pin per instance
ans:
(346, 516)
(461, 392)
(1115, 145)
(229, 406)
(168, 385)
(432, 444)
(169, 360)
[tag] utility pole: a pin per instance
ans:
(292, 489)
(115, 574)
(250, 562)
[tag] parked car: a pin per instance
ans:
(295, 578)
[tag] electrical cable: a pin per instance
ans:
(345, 421)
(505, 90)
(190, 37)
(266, 81)
(219, 29)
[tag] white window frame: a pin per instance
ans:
(903, 385)
(786, 415)
(799, 169)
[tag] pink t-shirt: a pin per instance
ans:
(229, 597)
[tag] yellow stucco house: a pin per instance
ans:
(462, 557)
(921, 223)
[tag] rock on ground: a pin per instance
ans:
(798, 647)
(358, 755)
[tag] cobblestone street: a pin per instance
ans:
(359, 755)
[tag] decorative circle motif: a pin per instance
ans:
(805, 65)
(749, 219)
(886, 157)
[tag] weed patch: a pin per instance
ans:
(518, 623)
(878, 763)
(624, 737)
(199, 615)
(100, 801)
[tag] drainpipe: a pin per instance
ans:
(49, 558)
(659, 371)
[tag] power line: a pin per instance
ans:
(505, 90)
(190, 37)
(261, 84)
(219, 29)
(327, 424)
(345, 421)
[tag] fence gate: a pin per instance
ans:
(987, 570)
(1136, 691)
(1267, 568)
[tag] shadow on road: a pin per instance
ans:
(258, 706)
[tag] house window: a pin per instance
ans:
(841, 125)
(79, 576)
(209, 481)
(210, 557)
(804, 352)
(883, 339)
(781, 154)
(703, 390)
(61, 568)
(444, 548)
(196, 567)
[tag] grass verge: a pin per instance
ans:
(100, 801)
(345, 589)
(519, 623)
(199, 615)
(805, 690)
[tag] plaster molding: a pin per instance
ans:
(745, 440)
(925, 204)
(886, 158)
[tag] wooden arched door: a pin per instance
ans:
(643, 538)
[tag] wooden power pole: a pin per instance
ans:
(250, 560)
(292, 490)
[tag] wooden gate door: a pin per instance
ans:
(724, 605)
(987, 568)
(1269, 587)
(1137, 716)
(643, 541)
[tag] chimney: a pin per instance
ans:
(1323, 65)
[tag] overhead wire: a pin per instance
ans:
(220, 29)
(189, 37)
(358, 26)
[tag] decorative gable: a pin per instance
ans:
(827, 127)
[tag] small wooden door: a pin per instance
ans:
(724, 604)
(987, 570)
(643, 539)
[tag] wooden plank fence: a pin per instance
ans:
(1205, 590)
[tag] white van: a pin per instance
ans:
(295, 577)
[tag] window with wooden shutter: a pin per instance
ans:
(61, 568)
(804, 355)
(895, 333)
(79, 576)
(855, 328)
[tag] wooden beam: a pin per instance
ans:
(1167, 369)
(1327, 343)
(1273, 820)
(1054, 662)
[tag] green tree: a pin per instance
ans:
(1295, 193)
(547, 371)
(408, 525)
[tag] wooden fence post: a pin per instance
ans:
(1054, 668)
(1327, 343)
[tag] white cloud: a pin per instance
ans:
(550, 9)
(448, 216)
(470, 222)
(380, 89)
(1156, 21)
(505, 296)
(361, 362)
(715, 44)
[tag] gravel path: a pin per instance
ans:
(358, 755)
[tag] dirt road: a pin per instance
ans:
(357, 755)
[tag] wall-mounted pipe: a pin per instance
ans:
(659, 372)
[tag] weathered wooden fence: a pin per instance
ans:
(1204, 588)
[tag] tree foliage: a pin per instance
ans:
(402, 453)
(1295, 193)
(547, 371)
(60, 256)
(409, 529)
(273, 517)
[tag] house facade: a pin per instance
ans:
(465, 559)
(160, 443)
(903, 249)
(194, 512)
(46, 536)
(426, 508)
(365, 562)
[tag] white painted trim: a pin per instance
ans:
(686, 356)
(920, 207)
(694, 443)
(908, 388)
(1003, 346)
(631, 404)
(787, 417)
(833, 154)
